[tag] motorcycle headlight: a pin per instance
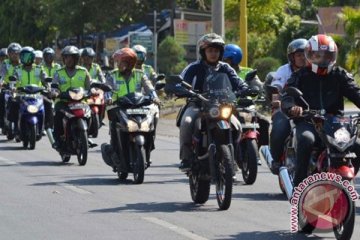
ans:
(225, 112)
(32, 109)
(76, 96)
(342, 135)
(214, 112)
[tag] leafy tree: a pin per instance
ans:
(266, 65)
(171, 56)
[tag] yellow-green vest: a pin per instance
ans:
(66, 82)
(123, 87)
(243, 71)
(148, 70)
(94, 70)
(10, 70)
(32, 77)
(50, 71)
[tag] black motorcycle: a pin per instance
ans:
(212, 138)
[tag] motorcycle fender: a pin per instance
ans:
(222, 124)
(32, 120)
(250, 134)
(344, 171)
(81, 124)
(140, 140)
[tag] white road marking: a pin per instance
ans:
(74, 188)
(5, 161)
(174, 228)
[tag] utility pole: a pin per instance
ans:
(217, 17)
(155, 42)
(243, 32)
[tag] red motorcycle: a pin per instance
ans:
(96, 101)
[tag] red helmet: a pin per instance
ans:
(321, 52)
(126, 55)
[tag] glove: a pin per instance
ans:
(157, 101)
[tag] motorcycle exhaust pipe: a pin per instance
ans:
(49, 133)
(265, 155)
(285, 178)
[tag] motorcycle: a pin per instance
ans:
(76, 120)
(334, 154)
(246, 147)
(96, 101)
(213, 149)
(134, 139)
(10, 127)
(32, 113)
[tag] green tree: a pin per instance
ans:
(171, 57)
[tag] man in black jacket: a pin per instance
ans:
(323, 86)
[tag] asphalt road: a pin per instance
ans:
(42, 198)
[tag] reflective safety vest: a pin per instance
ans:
(123, 86)
(243, 71)
(148, 70)
(32, 77)
(9, 70)
(66, 82)
(94, 70)
(50, 71)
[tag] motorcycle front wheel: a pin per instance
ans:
(32, 136)
(95, 123)
(82, 147)
(224, 180)
(250, 155)
(139, 164)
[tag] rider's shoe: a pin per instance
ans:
(185, 165)
(91, 143)
(275, 166)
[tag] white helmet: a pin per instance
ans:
(38, 54)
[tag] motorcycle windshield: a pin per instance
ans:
(333, 123)
(218, 87)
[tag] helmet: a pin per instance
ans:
(233, 52)
(210, 40)
(140, 52)
(321, 52)
(49, 52)
(297, 45)
(125, 55)
(14, 47)
(70, 50)
(27, 55)
(88, 52)
(38, 54)
(3, 52)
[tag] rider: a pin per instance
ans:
(127, 79)
(141, 57)
(26, 74)
(324, 87)
(7, 70)
(71, 75)
(87, 57)
(233, 56)
(211, 50)
(38, 57)
(280, 123)
(49, 67)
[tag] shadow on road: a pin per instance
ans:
(273, 235)
(261, 196)
(93, 181)
(43, 163)
(12, 148)
(157, 207)
(358, 210)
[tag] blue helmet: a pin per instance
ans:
(233, 52)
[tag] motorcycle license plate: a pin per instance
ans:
(137, 111)
(76, 105)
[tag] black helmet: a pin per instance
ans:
(3, 52)
(27, 55)
(88, 52)
(70, 50)
(14, 47)
(210, 40)
(49, 51)
(297, 45)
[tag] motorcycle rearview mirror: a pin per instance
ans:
(159, 85)
(294, 92)
(160, 77)
(250, 75)
(12, 79)
(48, 79)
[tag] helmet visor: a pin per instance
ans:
(27, 58)
(140, 56)
(321, 58)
